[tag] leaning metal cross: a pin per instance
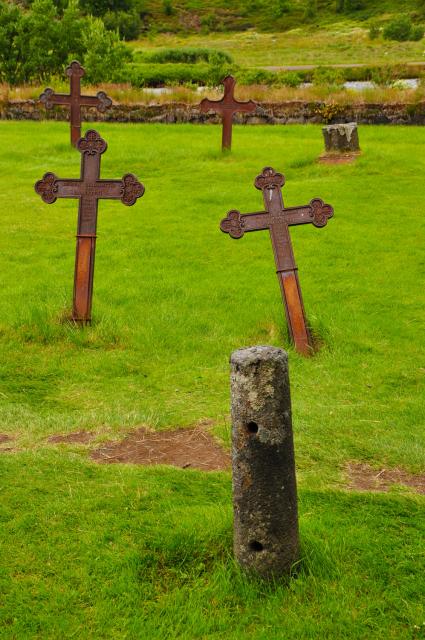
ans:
(75, 100)
(227, 106)
(89, 189)
(277, 219)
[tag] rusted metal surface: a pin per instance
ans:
(75, 100)
(89, 189)
(277, 219)
(226, 107)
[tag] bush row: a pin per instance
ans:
(185, 55)
(159, 75)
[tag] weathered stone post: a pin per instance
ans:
(341, 138)
(264, 487)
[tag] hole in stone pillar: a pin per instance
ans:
(252, 427)
(254, 545)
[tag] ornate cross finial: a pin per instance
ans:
(75, 69)
(269, 179)
(92, 143)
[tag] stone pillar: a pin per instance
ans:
(264, 488)
(341, 138)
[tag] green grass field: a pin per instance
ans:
(120, 551)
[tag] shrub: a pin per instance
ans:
(269, 78)
(100, 7)
(219, 68)
(209, 23)
(188, 55)
(72, 27)
(310, 9)
(374, 31)
(128, 24)
(105, 53)
(256, 76)
(417, 32)
(327, 76)
(281, 7)
(10, 52)
(289, 79)
(167, 5)
(398, 29)
(38, 41)
(159, 75)
(349, 5)
(37, 44)
(385, 76)
(354, 5)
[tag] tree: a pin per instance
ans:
(105, 53)
(38, 41)
(11, 59)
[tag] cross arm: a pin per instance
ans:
(236, 223)
(131, 189)
(128, 189)
(246, 107)
(317, 213)
(50, 187)
(101, 101)
(206, 104)
(49, 98)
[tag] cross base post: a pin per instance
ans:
(294, 310)
(75, 134)
(83, 279)
(226, 138)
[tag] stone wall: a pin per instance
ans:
(296, 112)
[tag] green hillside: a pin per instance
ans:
(264, 15)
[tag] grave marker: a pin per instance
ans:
(75, 100)
(89, 189)
(263, 462)
(227, 106)
(341, 138)
(277, 219)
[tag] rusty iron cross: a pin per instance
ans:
(227, 106)
(277, 219)
(75, 100)
(89, 189)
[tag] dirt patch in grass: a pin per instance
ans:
(192, 448)
(3, 439)
(80, 437)
(363, 478)
(336, 158)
